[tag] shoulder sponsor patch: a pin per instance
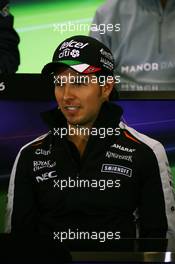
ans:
(113, 168)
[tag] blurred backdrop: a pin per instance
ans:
(39, 26)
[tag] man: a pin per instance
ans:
(9, 40)
(143, 49)
(91, 176)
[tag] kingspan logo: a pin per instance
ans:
(113, 155)
(117, 146)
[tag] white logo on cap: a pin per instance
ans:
(106, 54)
(75, 53)
(64, 53)
(73, 44)
(67, 52)
(106, 63)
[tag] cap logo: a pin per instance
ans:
(83, 54)
(68, 52)
(107, 64)
(73, 44)
(92, 69)
(106, 54)
(75, 53)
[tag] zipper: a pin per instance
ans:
(72, 159)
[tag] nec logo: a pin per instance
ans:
(117, 146)
(46, 176)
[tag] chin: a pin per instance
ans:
(72, 122)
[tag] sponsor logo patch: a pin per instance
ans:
(46, 176)
(43, 152)
(106, 63)
(39, 164)
(117, 146)
(112, 168)
(110, 154)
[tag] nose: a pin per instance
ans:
(68, 92)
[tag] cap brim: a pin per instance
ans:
(75, 65)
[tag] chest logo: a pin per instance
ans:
(113, 168)
(117, 146)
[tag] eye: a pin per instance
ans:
(81, 81)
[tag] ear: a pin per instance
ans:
(107, 88)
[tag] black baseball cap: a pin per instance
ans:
(83, 54)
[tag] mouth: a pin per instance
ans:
(71, 109)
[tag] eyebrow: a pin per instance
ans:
(82, 78)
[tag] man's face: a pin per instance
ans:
(79, 101)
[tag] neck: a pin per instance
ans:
(79, 131)
(79, 135)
